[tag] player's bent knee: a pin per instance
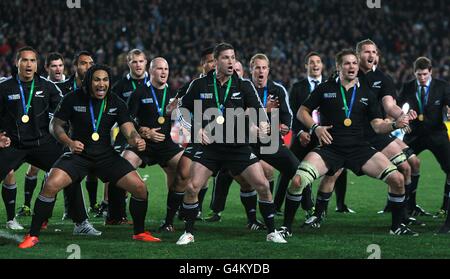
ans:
(398, 159)
(307, 173)
(387, 172)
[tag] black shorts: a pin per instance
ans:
(109, 167)
(190, 150)
(120, 144)
(283, 160)
(43, 157)
(350, 158)
(437, 143)
(235, 158)
(301, 151)
(160, 153)
(380, 141)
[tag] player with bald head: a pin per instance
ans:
(149, 109)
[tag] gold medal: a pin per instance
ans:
(95, 136)
(348, 122)
(161, 120)
(25, 118)
(420, 117)
(220, 120)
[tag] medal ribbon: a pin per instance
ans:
(22, 96)
(348, 110)
(95, 125)
(216, 93)
(160, 109)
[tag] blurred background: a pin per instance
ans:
(179, 29)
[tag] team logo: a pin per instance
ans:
(79, 108)
(39, 94)
(13, 97)
(329, 95)
(112, 111)
(376, 84)
(147, 101)
(205, 96)
(236, 96)
(364, 101)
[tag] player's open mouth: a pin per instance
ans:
(101, 91)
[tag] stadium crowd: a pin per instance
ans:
(177, 29)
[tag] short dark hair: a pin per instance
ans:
(422, 63)
(52, 57)
(340, 55)
(205, 52)
(309, 55)
(362, 43)
(26, 48)
(80, 53)
(221, 47)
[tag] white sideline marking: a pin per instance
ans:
(10, 236)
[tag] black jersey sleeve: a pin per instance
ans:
(55, 95)
(123, 115)
(65, 108)
(314, 99)
(374, 110)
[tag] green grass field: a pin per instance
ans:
(341, 236)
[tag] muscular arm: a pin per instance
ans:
(380, 126)
(56, 128)
(132, 135)
(391, 108)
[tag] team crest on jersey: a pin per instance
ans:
(79, 108)
(205, 96)
(236, 96)
(112, 111)
(376, 84)
(39, 94)
(13, 97)
(364, 101)
(329, 95)
(127, 94)
(147, 101)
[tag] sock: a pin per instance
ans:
(76, 209)
(271, 185)
(190, 212)
(307, 200)
(280, 193)
(174, 200)
(267, 210)
(413, 189)
(138, 210)
(322, 203)
(341, 189)
(91, 187)
(43, 208)
(222, 184)
(30, 185)
(446, 195)
(249, 200)
(290, 208)
(408, 204)
(396, 202)
(9, 193)
(201, 197)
